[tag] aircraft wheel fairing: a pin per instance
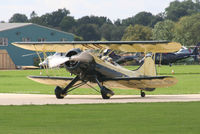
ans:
(59, 93)
(106, 93)
(142, 94)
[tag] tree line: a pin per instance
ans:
(179, 22)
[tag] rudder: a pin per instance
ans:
(148, 67)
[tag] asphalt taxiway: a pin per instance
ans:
(38, 99)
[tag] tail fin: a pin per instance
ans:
(148, 67)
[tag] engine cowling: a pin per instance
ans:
(79, 62)
(72, 64)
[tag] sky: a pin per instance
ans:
(113, 9)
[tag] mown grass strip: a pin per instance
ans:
(139, 118)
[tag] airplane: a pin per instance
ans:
(169, 58)
(90, 69)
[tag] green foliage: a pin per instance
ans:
(146, 19)
(111, 32)
(67, 23)
(94, 20)
(18, 18)
(142, 18)
(179, 9)
(187, 30)
(137, 32)
(88, 32)
(100, 27)
(164, 30)
(137, 118)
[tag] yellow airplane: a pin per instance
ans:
(94, 69)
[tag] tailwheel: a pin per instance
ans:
(106, 93)
(59, 93)
(142, 94)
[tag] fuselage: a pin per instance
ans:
(93, 65)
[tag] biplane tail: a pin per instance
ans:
(148, 67)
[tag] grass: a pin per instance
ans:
(16, 82)
(139, 118)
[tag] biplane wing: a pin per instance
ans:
(119, 82)
(128, 46)
(141, 82)
(55, 81)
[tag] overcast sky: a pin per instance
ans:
(112, 9)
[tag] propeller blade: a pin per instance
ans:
(57, 61)
(83, 57)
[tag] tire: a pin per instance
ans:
(142, 94)
(59, 93)
(106, 93)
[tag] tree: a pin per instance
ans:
(67, 23)
(54, 19)
(179, 9)
(106, 31)
(187, 30)
(117, 33)
(142, 18)
(138, 32)
(128, 21)
(33, 15)
(118, 22)
(18, 18)
(99, 21)
(146, 19)
(164, 30)
(89, 32)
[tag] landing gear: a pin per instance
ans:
(142, 93)
(59, 93)
(105, 92)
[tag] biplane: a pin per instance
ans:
(91, 68)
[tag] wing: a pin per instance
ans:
(141, 82)
(127, 46)
(120, 83)
(56, 81)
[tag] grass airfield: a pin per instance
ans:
(140, 118)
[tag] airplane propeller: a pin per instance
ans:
(58, 60)
(82, 57)
(55, 62)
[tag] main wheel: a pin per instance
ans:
(142, 94)
(106, 93)
(59, 93)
